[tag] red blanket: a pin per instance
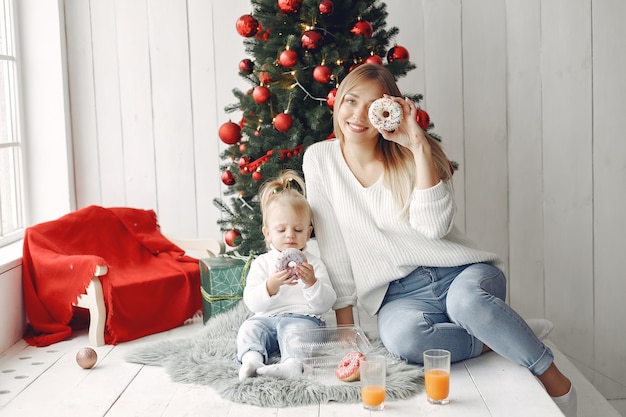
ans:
(151, 286)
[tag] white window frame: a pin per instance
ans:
(12, 209)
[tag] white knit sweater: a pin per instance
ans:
(363, 240)
(313, 301)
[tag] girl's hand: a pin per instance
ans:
(306, 274)
(278, 279)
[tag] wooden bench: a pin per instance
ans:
(93, 298)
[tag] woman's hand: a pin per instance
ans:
(278, 279)
(409, 134)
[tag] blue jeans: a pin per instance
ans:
(457, 309)
(267, 335)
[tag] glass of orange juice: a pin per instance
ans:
(437, 375)
(373, 370)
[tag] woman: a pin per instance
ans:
(383, 212)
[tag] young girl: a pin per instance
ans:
(384, 212)
(281, 300)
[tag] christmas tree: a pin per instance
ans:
(299, 50)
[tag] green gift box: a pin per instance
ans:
(222, 281)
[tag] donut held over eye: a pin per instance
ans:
(289, 258)
(386, 114)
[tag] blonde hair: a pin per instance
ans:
(287, 189)
(398, 161)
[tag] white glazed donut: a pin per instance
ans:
(289, 258)
(385, 113)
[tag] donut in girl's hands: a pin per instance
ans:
(386, 114)
(289, 258)
(348, 368)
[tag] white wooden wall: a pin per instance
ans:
(529, 96)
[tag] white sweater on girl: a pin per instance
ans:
(313, 301)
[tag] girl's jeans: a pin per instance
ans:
(267, 335)
(457, 309)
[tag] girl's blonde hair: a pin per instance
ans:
(399, 164)
(286, 189)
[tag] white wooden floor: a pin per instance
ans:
(48, 382)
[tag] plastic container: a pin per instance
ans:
(321, 350)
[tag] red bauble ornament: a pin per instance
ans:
(363, 28)
(322, 74)
(261, 94)
(312, 39)
(232, 237)
(228, 178)
(247, 26)
(229, 133)
(243, 161)
(330, 98)
(288, 58)
(257, 176)
(327, 7)
(86, 357)
(264, 77)
(374, 59)
(289, 6)
(398, 53)
(423, 119)
(242, 147)
(353, 67)
(283, 122)
(246, 66)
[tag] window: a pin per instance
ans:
(11, 191)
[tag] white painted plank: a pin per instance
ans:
(82, 100)
(13, 317)
(51, 375)
(508, 389)
(408, 18)
(136, 103)
(567, 146)
(526, 278)
(107, 101)
(590, 402)
(443, 69)
(229, 50)
(609, 176)
(484, 86)
(169, 57)
(202, 40)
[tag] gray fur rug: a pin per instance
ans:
(208, 358)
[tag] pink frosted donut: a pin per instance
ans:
(289, 258)
(385, 114)
(348, 369)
